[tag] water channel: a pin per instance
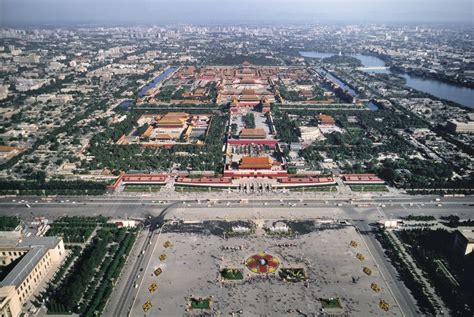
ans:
(461, 95)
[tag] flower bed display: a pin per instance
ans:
(200, 303)
(293, 274)
(330, 303)
(232, 274)
(262, 263)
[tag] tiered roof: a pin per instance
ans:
(248, 162)
(173, 118)
(248, 133)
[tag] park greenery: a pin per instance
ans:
(53, 187)
(249, 120)
(314, 189)
(194, 189)
(450, 274)
(89, 280)
(454, 221)
(367, 136)
(232, 274)
(111, 267)
(200, 303)
(416, 173)
(70, 235)
(67, 296)
(8, 223)
(289, 95)
(342, 60)
(75, 251)
(369, 188)
(406, 273)
(212, 91)
(133, 157)
(75, 229)
(287, 130)
(167, 93)
(419, 218)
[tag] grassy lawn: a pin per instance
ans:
(200, 303)
(331, 303)
(369, 188)
(136, 189)
(315, 189)
(189, 189)
(232, 274)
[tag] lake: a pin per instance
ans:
(366, 60)
(316, 54)
(462, 95)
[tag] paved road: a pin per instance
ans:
(126, 291)
(125, 300)
(372, 209)
(405, 300)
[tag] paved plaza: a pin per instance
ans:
(199, 251)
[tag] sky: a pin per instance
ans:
(107, 12)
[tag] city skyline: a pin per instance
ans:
(126, 12)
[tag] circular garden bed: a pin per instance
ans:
(262, 263)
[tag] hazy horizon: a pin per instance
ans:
(107, 12)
